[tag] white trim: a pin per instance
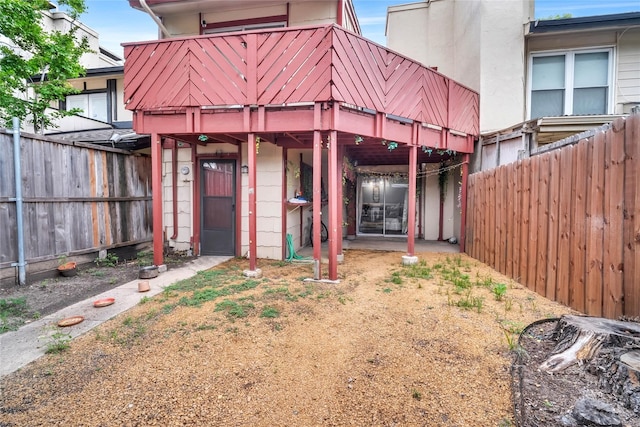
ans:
(246, 27)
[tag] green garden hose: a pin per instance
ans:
(291, 252)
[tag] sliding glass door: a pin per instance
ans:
(382, 206)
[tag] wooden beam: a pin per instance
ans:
(294, 138)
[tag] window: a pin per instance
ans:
(570, 83)
(93, 105)
(279, 21)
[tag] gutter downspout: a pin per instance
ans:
(22, 279)
(153, 16)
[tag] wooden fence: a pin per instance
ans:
(78, 198)
(566, 223)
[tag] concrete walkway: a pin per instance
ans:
(376, 243)
(18, 348)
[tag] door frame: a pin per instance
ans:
(384, 233)
(197, 198)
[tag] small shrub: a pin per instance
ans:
(58, 342)
(499, 290)
(111, 260)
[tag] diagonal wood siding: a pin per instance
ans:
(77, 199)
(566, 223)
(293, 65)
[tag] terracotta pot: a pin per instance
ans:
(143, 286)
(68, 269)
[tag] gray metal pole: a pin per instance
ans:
(22, 276)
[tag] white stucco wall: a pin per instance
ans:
(451, 211)
(60, 21)
(479, 44)
(431, 202)
(312, 13)
(180, 24)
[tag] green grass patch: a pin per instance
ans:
(420, 270)
(233, 309)
(270, 312)
(203, 279)
(11, 312)
(468, 302)
(280, 292)
(396, 278)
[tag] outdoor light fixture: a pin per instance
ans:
(244, 169)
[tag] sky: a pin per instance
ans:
(117, 23)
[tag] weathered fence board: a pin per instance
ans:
(566, 223)
(564, 231)
(595, 227)
(631, 225)
(578, 230)
(517, 207)
(554, 212)
(613, 215)
(77, 198)
(543, 224)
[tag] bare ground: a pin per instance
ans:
(381, 348)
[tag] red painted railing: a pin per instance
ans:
(293, 65)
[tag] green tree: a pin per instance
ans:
(37, 59)
(563, 16)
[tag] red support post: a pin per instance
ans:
(156, 186)
(334, 205)
(463, 202)
(411, 220)
(251, 154)
(340, 196)
(317, 202)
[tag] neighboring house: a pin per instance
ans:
(250, 103)
(104, 118)
(100, 96)
(539, 80)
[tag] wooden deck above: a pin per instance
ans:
(258, 72)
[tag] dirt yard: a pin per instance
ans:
(387, 346)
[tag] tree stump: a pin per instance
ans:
(580, 338)
(609, 349)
